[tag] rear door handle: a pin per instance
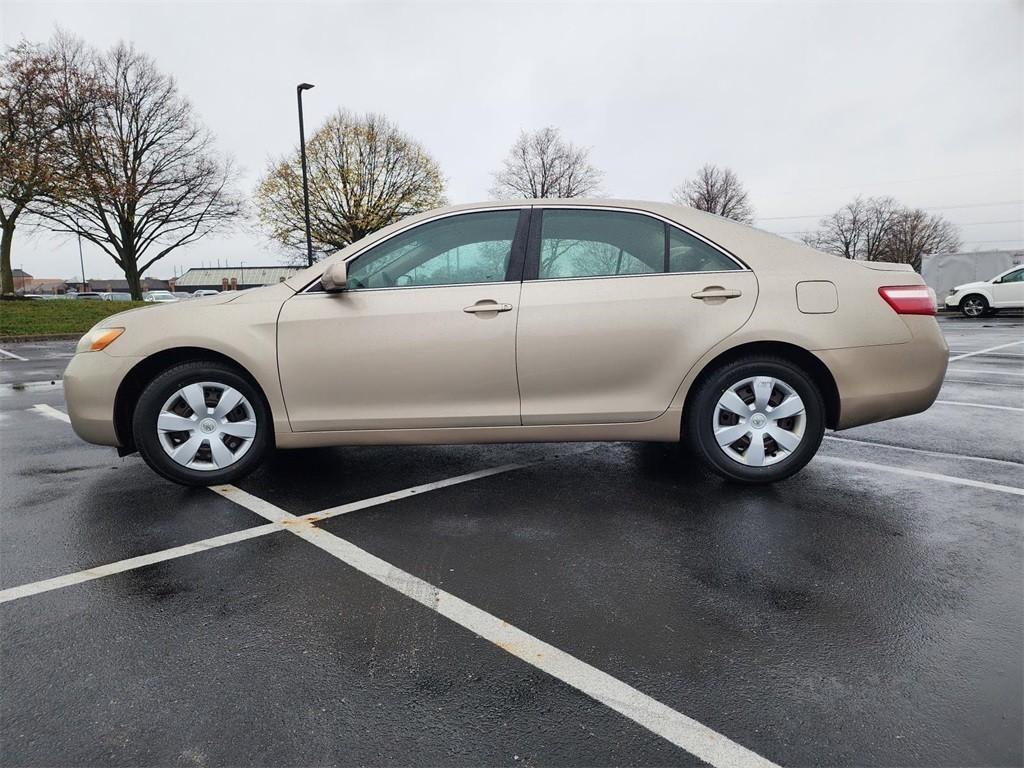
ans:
(487, 306)
(717, 292)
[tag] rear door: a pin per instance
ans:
(616, 307)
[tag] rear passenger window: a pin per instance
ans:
(598, 243)
(688, 254)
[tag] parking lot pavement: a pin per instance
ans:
(536, 604)
(39, 361)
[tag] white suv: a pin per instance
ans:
(1004, 291)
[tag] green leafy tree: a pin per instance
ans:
(364, 174)
(43, 89)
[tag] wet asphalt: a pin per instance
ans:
(852, 615)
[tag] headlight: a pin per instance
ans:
(97, 339)
(954, 289)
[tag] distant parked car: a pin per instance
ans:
(161, 297)
(88, 296)
(33, 296)
(182, 294)
(204, 292)
(114, 296)
(1004, 291)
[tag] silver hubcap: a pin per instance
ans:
(206, 426)
(759, 421)
(973, 307)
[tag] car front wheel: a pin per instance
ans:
(974, 305)
(201, 423)
(756, 420)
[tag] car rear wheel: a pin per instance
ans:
(201, 423)
(756, 420)
(974, 305)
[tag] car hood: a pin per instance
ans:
(185, 305)
(975, 284)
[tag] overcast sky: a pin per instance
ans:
(810, 104)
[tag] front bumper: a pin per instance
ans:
(953, 301)
(889, 380)
(91, 382)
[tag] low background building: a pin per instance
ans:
(21, 279)
(232, 278)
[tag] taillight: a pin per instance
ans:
(909, 299)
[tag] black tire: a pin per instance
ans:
(699, 419)
(161, 388)
(974, 305)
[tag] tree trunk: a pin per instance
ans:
(131, 273)
(6, 275)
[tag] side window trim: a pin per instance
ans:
(532, 270)
(517, 259)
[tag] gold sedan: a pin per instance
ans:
(536, 320)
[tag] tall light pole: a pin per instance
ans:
(305, 181)
(81, 262)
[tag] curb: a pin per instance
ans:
(41, 337)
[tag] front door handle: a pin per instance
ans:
(487, 306)
(717, 292)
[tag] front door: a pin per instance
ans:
(616, 308)
(1009, 291)
(423, 337)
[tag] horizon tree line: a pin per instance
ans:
(102, 145)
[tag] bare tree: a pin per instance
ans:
(146, 178)
(364, 174)
(915, 233)
(716, 190)
(42, 90)
(543, 164)
(880, 229)
(841, 233)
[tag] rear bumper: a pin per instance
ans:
(90, 388)
(890, 380)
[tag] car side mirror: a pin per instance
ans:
(335, 277)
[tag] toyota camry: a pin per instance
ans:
(537, 320)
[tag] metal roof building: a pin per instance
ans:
(232, 278)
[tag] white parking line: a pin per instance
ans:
(50, 412)
(685, 732)
(924, 475)
(940, 454)
(34, 588)
(357, 505)
(1014, 355)
(983, 351)
(982, 370)
(978, 405)
(986, 384)
(13, 356)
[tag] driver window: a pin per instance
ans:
(1013, 277)
(468, 248)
